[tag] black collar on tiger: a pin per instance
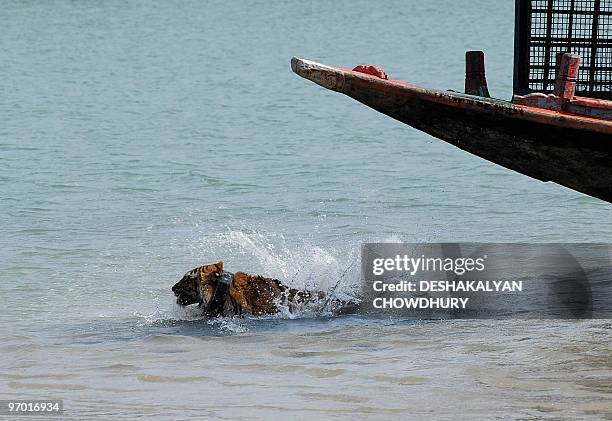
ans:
(224, 282)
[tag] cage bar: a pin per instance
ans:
(544, 29)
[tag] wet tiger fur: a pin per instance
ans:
(245, 295)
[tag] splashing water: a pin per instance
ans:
(304, 266)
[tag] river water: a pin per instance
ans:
(140, 139)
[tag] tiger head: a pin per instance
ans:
(198, 285)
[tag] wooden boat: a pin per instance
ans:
(567, 140)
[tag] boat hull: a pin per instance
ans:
(547, 145)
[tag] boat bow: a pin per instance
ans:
(550, 145)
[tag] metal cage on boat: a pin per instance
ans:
(545, 29)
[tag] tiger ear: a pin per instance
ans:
(219, 267)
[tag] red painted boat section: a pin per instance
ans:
(333, 78)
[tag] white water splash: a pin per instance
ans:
(229, 324)
(303, 266)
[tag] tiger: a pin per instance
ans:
(221, 293)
